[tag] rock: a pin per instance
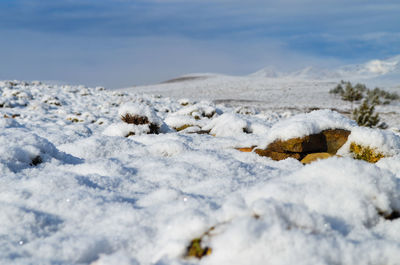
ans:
(314, 157)
(307, 144)
(277, 156)
(326, 142)
(245, 149)
(335, 139)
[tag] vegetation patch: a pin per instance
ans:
(196, 250)
(141, 120)
(365, 153)
(392, 216)
(365, 114)
(134, 119)
(183, 127)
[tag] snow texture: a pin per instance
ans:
(98, 197)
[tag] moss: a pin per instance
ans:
(196, 250)
(74, 119)
(365, 153)
(183, 127)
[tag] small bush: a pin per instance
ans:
(365, 115)
(140, 120)
(351, 94)
(365, 153)
(354, 93)
(337, 90)
(383, 96)
(134, 119)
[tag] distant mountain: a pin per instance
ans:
(269, 71)
(381, 69)
(373, 68)
(315, 73)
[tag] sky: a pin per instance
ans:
(120, 43)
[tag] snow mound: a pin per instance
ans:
(228, 124)
(322, 209)
(20, 149)
(306, 124)
(383, 141)
(141, 110)
(71, 195)
(146, 116)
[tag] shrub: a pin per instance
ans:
(365, 115)
(351, 94)
(354, 93)
(134, 119)
(337, 90)
(140, 120)
(387, 97)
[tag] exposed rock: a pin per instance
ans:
(320, 145)
(314, 157)
(392, 216)
(307, 144)
(36, 161)
(245, 149)
(277, 155)
(335, 139)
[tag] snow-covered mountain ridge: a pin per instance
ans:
(368, 70)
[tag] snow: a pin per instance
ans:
(98, 197)
(227, 124)
(307, 124)
(385, 142)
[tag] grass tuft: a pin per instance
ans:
(134, 119)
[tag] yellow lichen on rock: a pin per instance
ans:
(365, 153)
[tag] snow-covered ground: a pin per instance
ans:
(74, 190)
(300, 91)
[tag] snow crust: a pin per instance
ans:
(98, 197)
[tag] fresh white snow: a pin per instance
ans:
(97, 197)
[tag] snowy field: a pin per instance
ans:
(297, 92)
(75, 190)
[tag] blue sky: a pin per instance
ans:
(126, 42)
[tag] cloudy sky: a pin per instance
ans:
(118, 43)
